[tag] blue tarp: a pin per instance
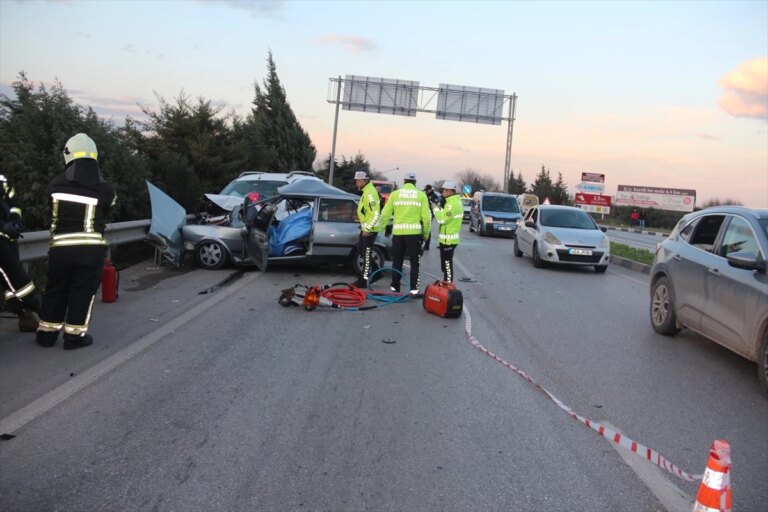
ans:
(293, 227)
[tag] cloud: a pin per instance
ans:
(128, 48)
(707, 137)
(746, 90)
(352, 43)
(257, 8)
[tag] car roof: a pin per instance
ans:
(314, 188)
(556, 207)
(274, 176)
(758, 213)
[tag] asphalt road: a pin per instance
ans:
(236, 403)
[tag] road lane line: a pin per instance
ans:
(21, 417)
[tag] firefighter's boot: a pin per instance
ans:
(28, 321)
(47, 339)
(73, 341)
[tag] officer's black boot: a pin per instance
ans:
(28, 321)
(46, 338)
(73, 341)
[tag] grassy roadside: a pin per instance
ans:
(632, 253)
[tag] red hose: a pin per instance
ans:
(348, 297)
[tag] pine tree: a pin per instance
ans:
(560, 191)
(287, 145)
(517, 184)
(542, 186)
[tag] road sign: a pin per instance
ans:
(591, 187)
(594, 203)
(467, 189)
(593, 177)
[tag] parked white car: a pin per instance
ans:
(562, 235)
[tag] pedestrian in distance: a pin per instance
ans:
(433, 198)
(368, 213)
(409, 207)
(634, 218)
(449, 220)
(80, 201)
(641, 219)
(20, 295)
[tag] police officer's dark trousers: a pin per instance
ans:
(402, 246)
(365, 243)
(74, 275)
(446, 261)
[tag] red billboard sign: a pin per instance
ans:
(593, 200)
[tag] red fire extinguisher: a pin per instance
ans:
(109, 281)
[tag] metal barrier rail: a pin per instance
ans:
(34, 245)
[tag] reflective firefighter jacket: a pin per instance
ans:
(410, 208)
(449, 219)
(80, 201)
(369, 209)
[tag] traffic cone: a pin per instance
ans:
(715, 490)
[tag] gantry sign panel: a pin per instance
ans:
(380, 95)
(470, 104)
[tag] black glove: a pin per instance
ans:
(388, 230)
(12, 228)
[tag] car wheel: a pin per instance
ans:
(762, 363)
(517, 250)
(537, 261)
(210, 255)
(663, 318)
(358, 260)
(600, 269)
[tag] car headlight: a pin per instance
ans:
(605, 243)
(488, 220)
(551, 239)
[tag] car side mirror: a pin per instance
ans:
(745, 260)
(530, 224)
(603, 229)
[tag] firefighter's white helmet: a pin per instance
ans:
(80, 146)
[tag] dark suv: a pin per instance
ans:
(711, 276)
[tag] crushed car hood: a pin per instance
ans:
(226, 203)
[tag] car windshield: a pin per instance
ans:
(243, 187)
(384, 188)
(764, 224)
(574, 219)
(500, 204)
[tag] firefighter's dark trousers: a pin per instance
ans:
(365, 243)
(19, 290)
(446, 261)
(402, 246)
(74, 275)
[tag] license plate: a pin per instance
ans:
(505, 228)
(580, 252)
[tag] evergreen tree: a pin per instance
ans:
(542, 187)
(344, 171)
(286, 143)
(560, 191)
(517, 184)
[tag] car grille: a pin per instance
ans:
(562, 255)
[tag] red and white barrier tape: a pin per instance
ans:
(613, 436)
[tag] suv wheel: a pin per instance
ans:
(762, 362)
(537, 261)
(210, 255)
(663, 318)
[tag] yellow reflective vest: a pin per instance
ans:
(449, 220)
(410, 208)
(369, 209)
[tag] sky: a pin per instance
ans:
(649, 93)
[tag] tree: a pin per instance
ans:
(279, 133)
(559, 191)
(517, 184)
(542, 185)
(477, 181)
(344, 172)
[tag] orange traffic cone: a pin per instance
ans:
(715, 490)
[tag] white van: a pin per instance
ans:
(527, 201)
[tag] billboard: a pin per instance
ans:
(471, 104)
(593, 177)
(380, 95)
(675, 199)
(596, 203)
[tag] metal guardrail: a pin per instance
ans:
(34, 245)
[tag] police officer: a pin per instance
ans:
(368, 212)
(449, 225)
(20, 295)
(80, 201)
(412, 219)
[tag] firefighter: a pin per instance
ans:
(448, 219)
(412, 219)
(21, 297)
(368, 212)
(80, 200)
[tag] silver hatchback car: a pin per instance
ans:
(711, 276)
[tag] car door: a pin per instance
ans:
(256, 235)
(735, 297)
(527, 235)
(690, 257)
(337, 228)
